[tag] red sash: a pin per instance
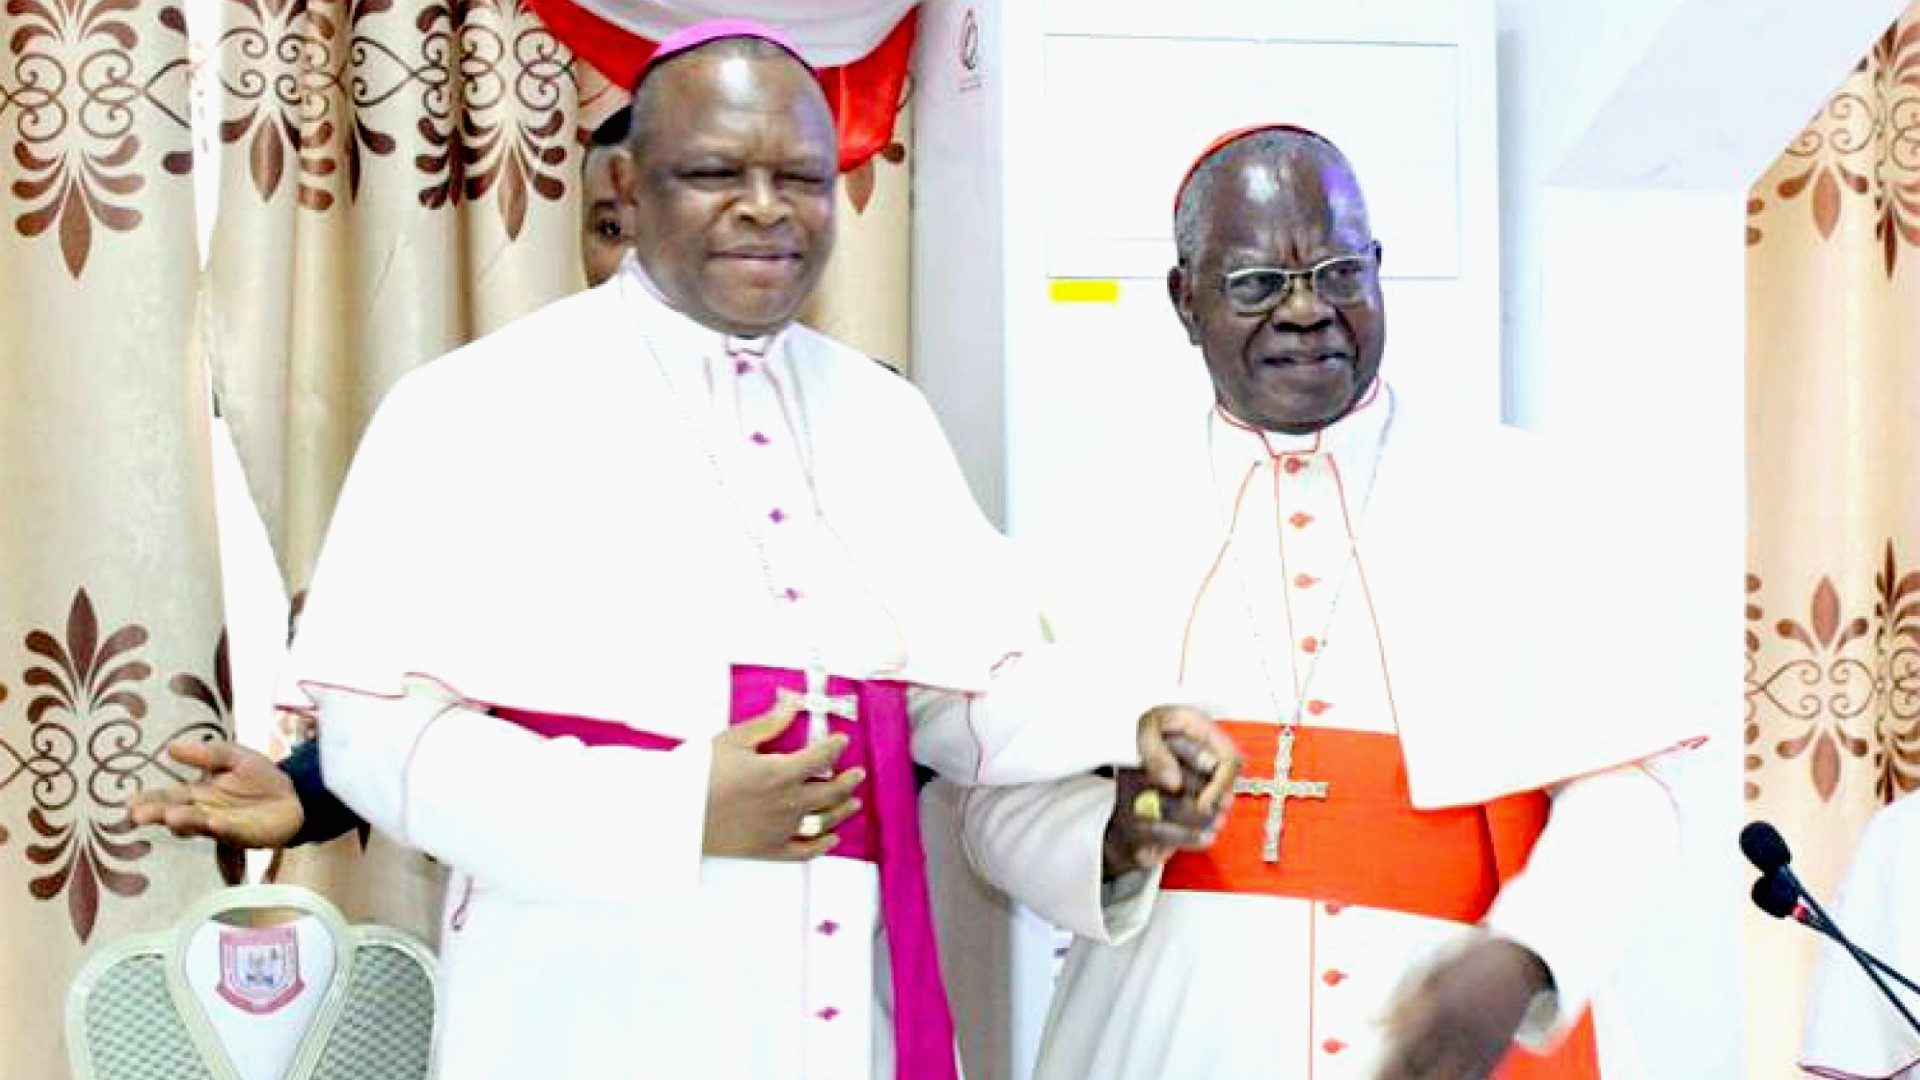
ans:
(1365, 844)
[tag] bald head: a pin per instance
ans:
(1303, 168)
(729, 181)
(649, 94)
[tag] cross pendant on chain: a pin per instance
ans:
(820, 705)
(1281, 788)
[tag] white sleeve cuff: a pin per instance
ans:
(1609, 838)
(367, 742)
(1044, 845)
(1544, 1022)
(1126, 903)
(1051, 713)
(543, 819)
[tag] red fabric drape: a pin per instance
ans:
(864, 95)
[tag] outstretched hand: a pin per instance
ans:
(244, 799)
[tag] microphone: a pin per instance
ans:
(1773, 895)
(1767, 850)
(1764, 847)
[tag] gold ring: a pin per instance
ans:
(811, 826)
(1146, 805)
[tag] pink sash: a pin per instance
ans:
(886, 832)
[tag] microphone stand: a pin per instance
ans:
(1820, 926)
(1859, 956)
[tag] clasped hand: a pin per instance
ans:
(1178, 797)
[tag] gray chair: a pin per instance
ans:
(134, 1012)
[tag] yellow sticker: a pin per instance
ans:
(1084, 291)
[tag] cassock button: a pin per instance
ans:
(1333, 1046)
(1305, 581)
(1300, 520)
(777, 516)
(1293, 465)
(829, 928)
(1335, 907)
(1333, 977)
(1317, 707)
(1309, 644)
(792, 595)
(828, 1013)
(741, 367)
(759, 438)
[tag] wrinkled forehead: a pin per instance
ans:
(1300, 199)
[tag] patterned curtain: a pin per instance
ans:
(396, 179)
(110, 607)
(1833, 605)
(394, 183)
(864, 298)
(399, 179)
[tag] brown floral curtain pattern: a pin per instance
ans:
(394, 182)
(1833, 604)
(110, 608)
(396, 179)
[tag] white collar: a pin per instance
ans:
(674, 332)
(1238, 445)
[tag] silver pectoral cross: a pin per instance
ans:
(819, 705)
(1281, 788)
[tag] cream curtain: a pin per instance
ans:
(110, 608)
(396, 181)
(1833, 606)
(864, 299)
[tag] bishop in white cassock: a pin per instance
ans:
(571, 553)
(1853, 1033)
(1448, 818)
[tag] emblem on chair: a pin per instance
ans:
(259, 968)
(256, 980)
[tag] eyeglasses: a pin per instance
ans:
(1341, 280)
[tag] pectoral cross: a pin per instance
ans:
(818, 704)
(1281, 788)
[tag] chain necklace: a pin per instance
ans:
(1282, 786)
(1291, 721)
(712, 458)
(816, 704)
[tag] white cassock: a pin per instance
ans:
(595, 512)
(1451, 629)
(1852, 1032)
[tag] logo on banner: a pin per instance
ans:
(970, 51)
(259, 968)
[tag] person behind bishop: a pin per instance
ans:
(638, 612)
(1445, 832)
